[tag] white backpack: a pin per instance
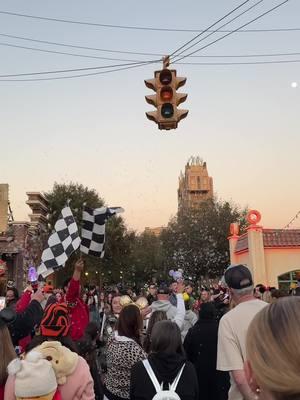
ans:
(162, 394)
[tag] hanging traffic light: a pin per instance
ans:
(166, 99)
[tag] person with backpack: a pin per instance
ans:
(166, 374)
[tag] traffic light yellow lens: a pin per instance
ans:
(167, 110)
(166, 93)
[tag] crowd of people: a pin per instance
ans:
(230, 340)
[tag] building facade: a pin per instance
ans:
(273, 255)
(22, 242)
(154, 231)
(195, 185)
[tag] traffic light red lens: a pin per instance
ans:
(165, 77)
(167, 110)
(166, 93)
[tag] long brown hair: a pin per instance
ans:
(166, 338)
(130, 323)
(273, 348)
(155, 317)
(7, 351)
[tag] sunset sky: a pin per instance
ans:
(243, 119)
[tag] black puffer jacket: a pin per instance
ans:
(166, 368)
(24, 322)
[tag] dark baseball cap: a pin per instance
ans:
(238, 277)
(163, 288)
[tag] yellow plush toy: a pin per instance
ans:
(63, 360)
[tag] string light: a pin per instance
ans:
(292, 220)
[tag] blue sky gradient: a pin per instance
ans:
(243, 119)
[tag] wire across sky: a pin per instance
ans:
(176, 56)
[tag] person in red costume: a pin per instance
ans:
(78, 311)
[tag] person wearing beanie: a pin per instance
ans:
(54, 343)
(34, 377)
(56, 321)
(78, 385)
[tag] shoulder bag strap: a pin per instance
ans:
(173, 386)
(152, 376)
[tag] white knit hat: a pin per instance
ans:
(34, 376)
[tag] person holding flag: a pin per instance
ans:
(78, 310)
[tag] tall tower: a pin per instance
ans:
(3, 206)
(195, 186)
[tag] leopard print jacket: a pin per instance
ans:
(121, 357)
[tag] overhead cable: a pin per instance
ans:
(228, 34)
(77, 69)
(211, 26)
(126, 52)
(145, 28)
(217, 30)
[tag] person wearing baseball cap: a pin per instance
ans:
(162, 303)
(233, 329)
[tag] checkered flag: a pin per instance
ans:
(93, 229)
(61, 243)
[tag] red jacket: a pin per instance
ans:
(78, 310)
(21, 306)
(2, 392)
(23, 302)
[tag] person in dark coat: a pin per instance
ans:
(201, 349)
(12, 297)
(166, 359)
(24, 322)
(87, 347)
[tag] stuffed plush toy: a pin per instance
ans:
(63, 360)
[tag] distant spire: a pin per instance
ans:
(195, 160)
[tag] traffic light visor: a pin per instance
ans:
(165, 77)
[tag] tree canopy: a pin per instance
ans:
(194, 240)
(76, 195)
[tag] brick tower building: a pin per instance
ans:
(195, 185)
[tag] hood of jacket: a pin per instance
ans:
(162, 305)
(166, 366)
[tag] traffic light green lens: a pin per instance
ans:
(167, 110)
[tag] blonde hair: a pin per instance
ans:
(273, 348)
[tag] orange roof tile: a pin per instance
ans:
(273, 238)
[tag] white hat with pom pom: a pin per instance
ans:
(34, 376)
